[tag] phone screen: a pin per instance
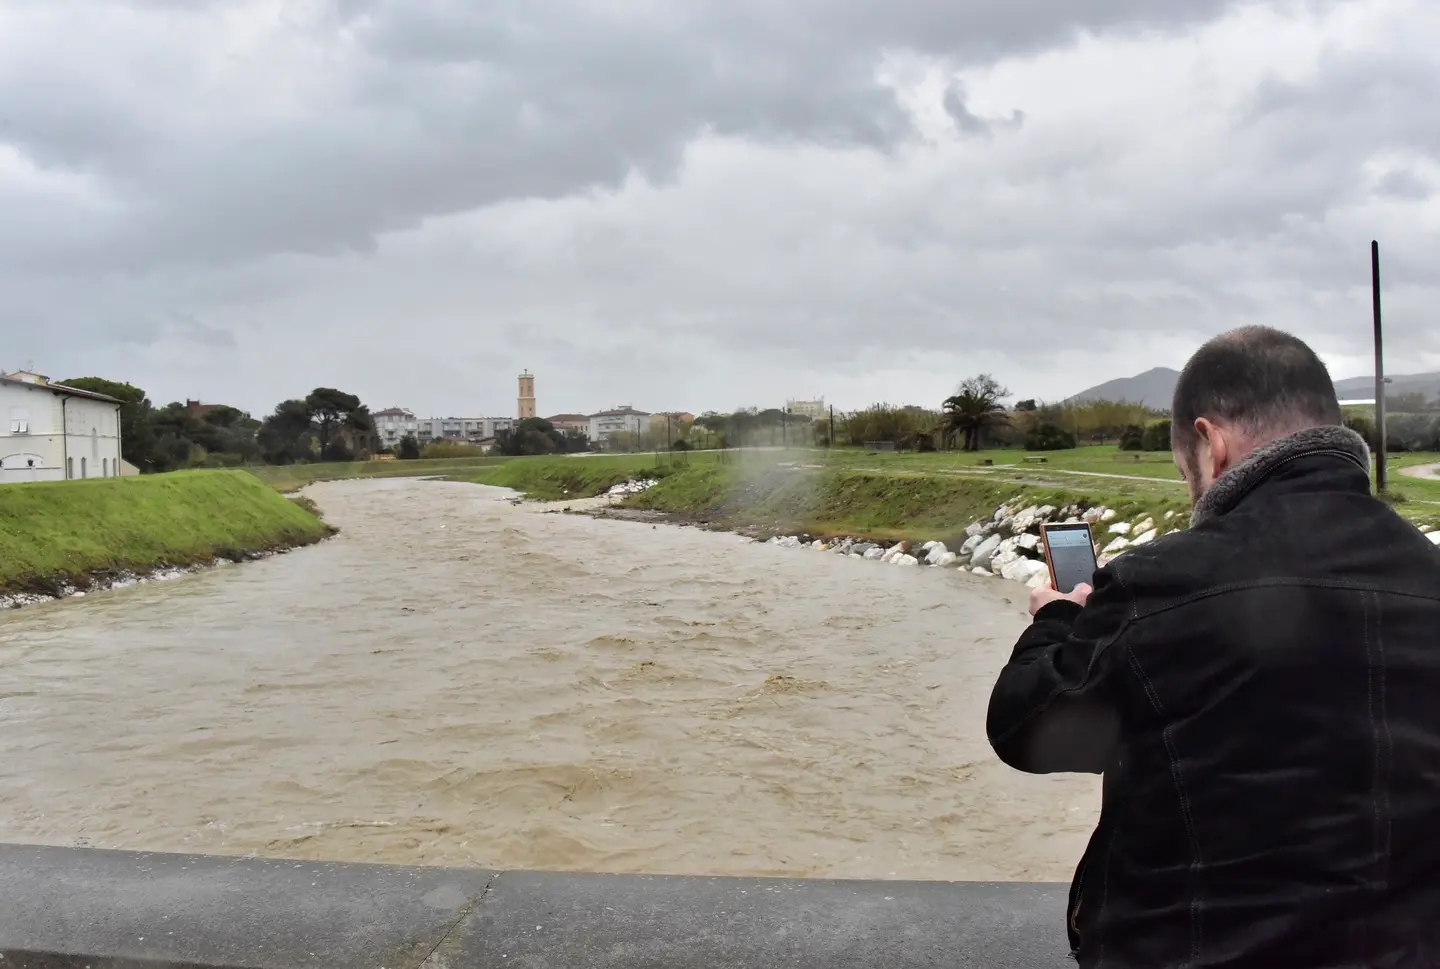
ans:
(1072, 555)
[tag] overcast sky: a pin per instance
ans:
(704, 204)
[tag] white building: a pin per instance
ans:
(393, 423)
(51, 432)
(813, 409)
(619, 420)
(471, 430)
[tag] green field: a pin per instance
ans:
(62, 531)
(292, 477)
(888, 503)
(905, 495)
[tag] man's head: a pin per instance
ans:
(1241, 390)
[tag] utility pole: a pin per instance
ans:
(784, 428)
(832, 426)
(1379, 370)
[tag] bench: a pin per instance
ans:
(1036, 459)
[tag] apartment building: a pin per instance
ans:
(394, 423)
(618, 420)
(813, 409)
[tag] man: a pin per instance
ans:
(1261, 693)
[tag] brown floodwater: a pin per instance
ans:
(455, 680)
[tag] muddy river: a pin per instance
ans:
(455, 680)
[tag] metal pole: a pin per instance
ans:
(1379, 370)
(784, 428)
(832, 426)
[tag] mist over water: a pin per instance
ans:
(454, 680)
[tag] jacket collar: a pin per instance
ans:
(1240, 480)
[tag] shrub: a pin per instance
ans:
(1363, 426)
(1049, 437)
(1157, 435)
(443, 449)
(1132, 438)
(1412, 432)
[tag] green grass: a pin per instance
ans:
(886, 504)
(292, 477)
(888, 495)
(1089, 460)
(555, 479)
(51, 532)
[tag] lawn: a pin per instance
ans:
(1100, 472)
(53, 529)
(292, 477)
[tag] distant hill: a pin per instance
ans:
(1363, 388)
(1156, 388)
(1153, 388)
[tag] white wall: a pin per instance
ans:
(602, 426)
(35, 447)
(31, 444)
(92, 442)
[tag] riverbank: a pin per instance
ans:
(64, 537)
(985, 522)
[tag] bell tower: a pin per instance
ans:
(525, 403)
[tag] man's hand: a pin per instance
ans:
(1046, 594)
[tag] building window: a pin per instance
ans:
(104, 467)
(70, 467)
(82, 467)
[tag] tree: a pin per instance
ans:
(137, 432)
(886, 423)
(409, 448)
(973, 410)
(1049, 437)
(1132, 438)
(1025, 406)
(333, 412)
(1412, 402)
(534, 435)
(287, 435)
(1157, 435)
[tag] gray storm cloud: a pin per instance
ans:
(747, 192)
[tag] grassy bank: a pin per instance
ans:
(292, 477)
(555, 479)
(880, 504)
(847, 490)
(67, 531)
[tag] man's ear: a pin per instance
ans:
(1219, 445)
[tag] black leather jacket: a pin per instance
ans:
(1262, 695)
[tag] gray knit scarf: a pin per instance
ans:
(1237, 482)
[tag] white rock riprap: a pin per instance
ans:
(124, 580)
(1007, 544)
(626, 488)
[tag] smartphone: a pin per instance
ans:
(1070, 553)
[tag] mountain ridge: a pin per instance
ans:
(1155, 388)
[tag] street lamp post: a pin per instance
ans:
(1379, 370)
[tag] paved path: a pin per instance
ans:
(1428, 471)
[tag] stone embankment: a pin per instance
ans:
(1007, 545)
(101, 582)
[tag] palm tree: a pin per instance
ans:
(975, 408)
